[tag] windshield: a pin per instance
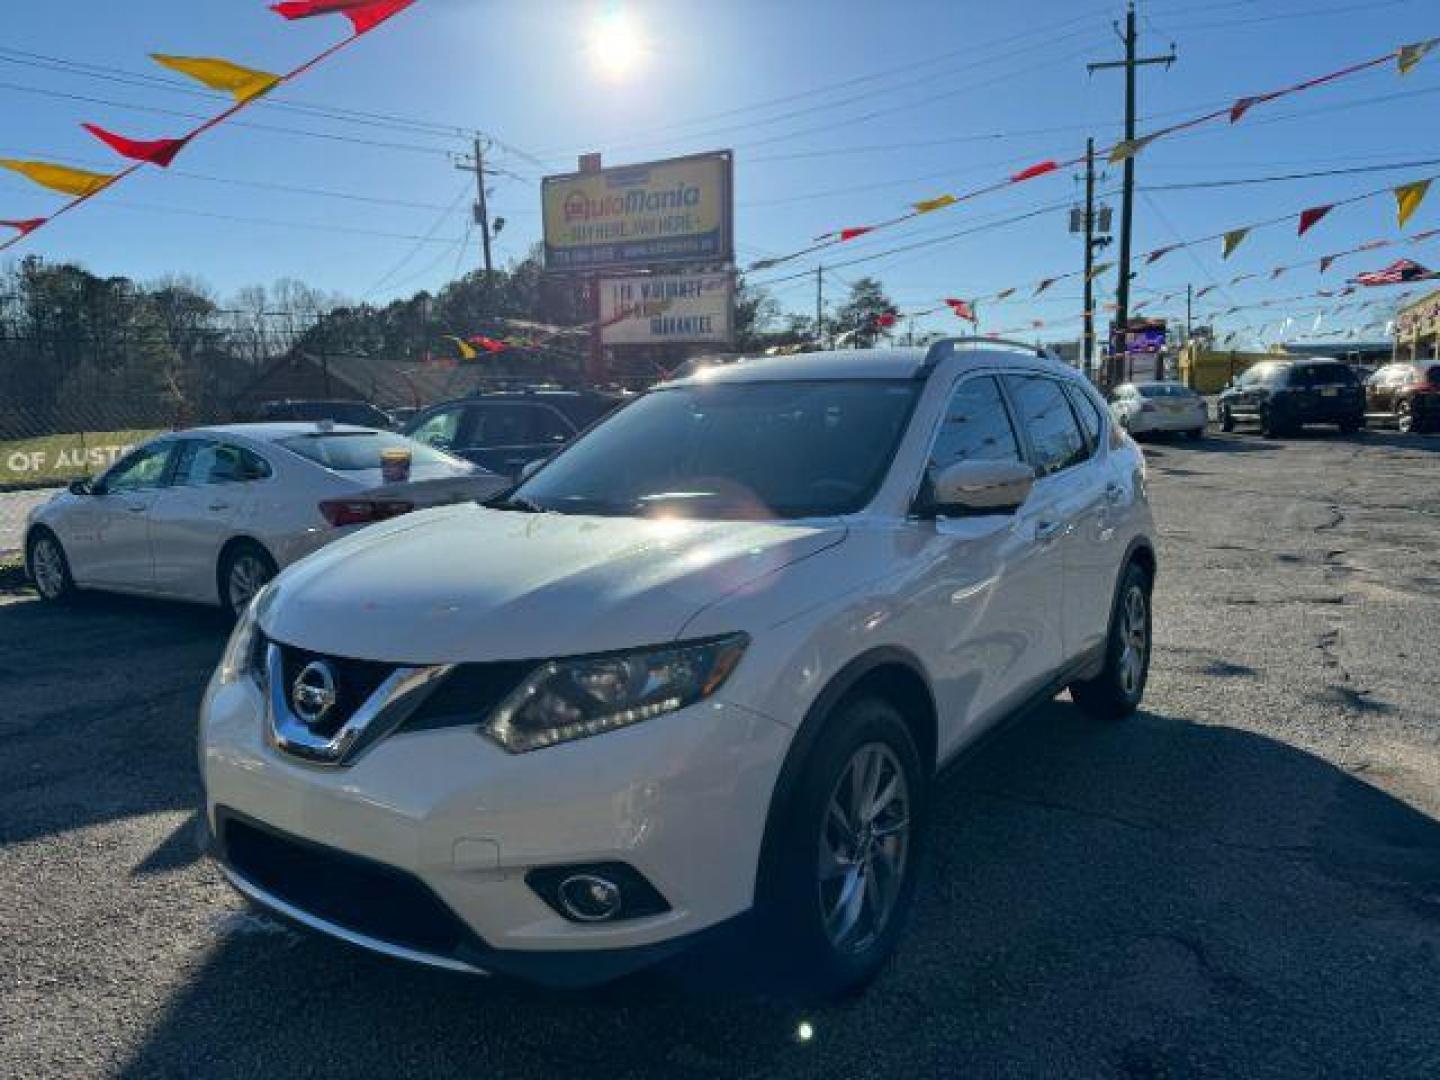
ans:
(352, 451)
(1322, 375)
(1162, 390)
(760, 450)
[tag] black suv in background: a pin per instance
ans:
(1285, 395)
(505, 430)
(359, 413)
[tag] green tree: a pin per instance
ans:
(859, 318)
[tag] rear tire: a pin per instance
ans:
(1405, 417)
(245, 568)
(1116, 692)
(839, 880)
(1269, 427)
(48, 567)
(1195, 434)
(1350, 427)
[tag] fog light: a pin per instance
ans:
(589, 898)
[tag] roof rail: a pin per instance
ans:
(947, 347)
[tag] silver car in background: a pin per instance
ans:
(1148, 408)
(211, 514)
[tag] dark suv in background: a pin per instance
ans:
(1406, 395)
(1285, 395)
(505, 430)
(359, 413)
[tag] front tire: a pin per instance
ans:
(245, 569)
(1116, 692)
(1269, 426)
(840, 879)
(1227, 419)
(1405, 417)
(49, 568)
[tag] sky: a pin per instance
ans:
(840, 113)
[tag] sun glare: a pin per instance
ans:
(617, 46)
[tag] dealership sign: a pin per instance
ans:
(637, 215)
(666, 309)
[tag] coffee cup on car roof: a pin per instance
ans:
(395, 465)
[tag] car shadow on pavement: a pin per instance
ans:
(100, 700)
(1147, 898)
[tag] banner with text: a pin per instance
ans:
(664, 211)
(667, 309)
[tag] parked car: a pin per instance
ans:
(211, 514)
(1406, 395)
(1145, 408)
(506, 430)
(705, 661)
(1285, 395)
(359, 413)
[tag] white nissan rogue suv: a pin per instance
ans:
(702, 664)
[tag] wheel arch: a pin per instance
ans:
(889, 672)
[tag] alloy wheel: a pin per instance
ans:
(1405, 417)
(1134, 642)
(248, 575)
(864, 847)
(47, 566)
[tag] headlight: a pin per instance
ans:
(565, 700)
(239, 656)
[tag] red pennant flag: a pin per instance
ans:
(963, 310)
(156, 151)
(859, 230)
(25, 226)
(1044, 285)
(1325, 262)
(364, 15)
(1309, 218)
(1033, 171)
(886, 319)
(1244, 105)
(488, 344)
(1160, 253)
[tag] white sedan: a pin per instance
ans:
(1146, 408)
(212, 514)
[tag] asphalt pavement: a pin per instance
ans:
(1243, 880)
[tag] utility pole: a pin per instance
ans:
(820, 306)
(1087, 342)
(482, 210)
(1127, 205)
(1189, 299)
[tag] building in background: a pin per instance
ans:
(1417, 329)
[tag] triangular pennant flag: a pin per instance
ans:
(1128, 148)
(1373, 245)
(364, 15)
(1410, 55)
(1206, 289)
(886, 319)
(25, 226)
(1326, 261)
(859, 230)
(1238, 278)
(1004, 294)
(924, 206)
(1033, 171)
(1426, 235)
(1232, 240)
(1098, 270)
(1242, 106)
(1408, 198)
(488, 344)
(62, 178)
(1044, 285)
(156, 151)
(1159, 253)
(1277, 272)
(467, 351)
(241, 83)
(1309, 218)
(964, 310)
(1347, 290)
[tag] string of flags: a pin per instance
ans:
(244, 85)
(1406, 58)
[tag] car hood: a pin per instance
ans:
(466, 583)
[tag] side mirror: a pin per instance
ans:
(530, 468)
(81, 486)
(981, 487)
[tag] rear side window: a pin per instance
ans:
(1088, 413)
(976, 427)
(1055, 437)
(1432, 375)
(218, 463)
(1322, 375)
(355, 451)
(501, 423)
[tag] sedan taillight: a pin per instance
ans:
(341, 512)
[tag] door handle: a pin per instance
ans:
(1048, 531)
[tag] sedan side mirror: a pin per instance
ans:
(81, 486)
(981, 487)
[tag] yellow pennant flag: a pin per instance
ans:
(241, 83)
(1408, 198)
(937, 203)
(1410, 55)
(1128, 148)
(1233, 240)
(467, 351)
(59, 177)
(1096, 271)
